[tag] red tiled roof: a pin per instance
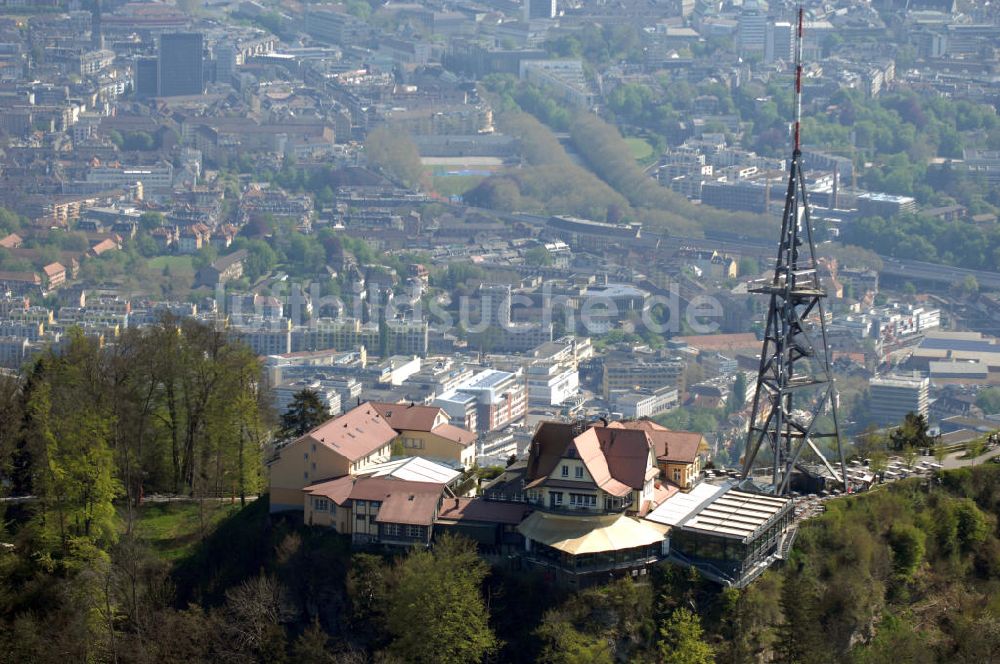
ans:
(627, 454)
(416, 509)
(721, 342)
(355, 434)
(337, 490)
(644, 425)
(463, 437)
(53, 269)
(588, 448)
(478, 509)
(402, 501)
(103, 246)
(20, 277)
(408, 417)
(616, 467)
(678, 446)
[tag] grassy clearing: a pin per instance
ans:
(641, 150)
(455, 185)
(179, 265)
(173, 529)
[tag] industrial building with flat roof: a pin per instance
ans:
(730, 536)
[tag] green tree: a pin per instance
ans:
(149, 221)
(312, 646)
(739, 396)
(912, 433)
(907, 544)
(989, 400)
(75, 467)
(440, 591)
(396, 154)
(260, 260)
(306, 412)
(681, 640)
(973, 528)
(538, 256)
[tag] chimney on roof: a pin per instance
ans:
(411, 405)
(604, 421)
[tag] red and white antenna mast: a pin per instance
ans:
(798, 82)
(795, 387)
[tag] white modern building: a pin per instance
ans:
(488, 401)
(646, 403)
(328, 394)
(890, 398)
(551, 384)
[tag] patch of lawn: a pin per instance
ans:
(173, 529)
(455, 185)
(641, 150)
(179, 265)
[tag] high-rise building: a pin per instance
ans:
(752, 28)
(96, 27)
(536, 9)
(147, 77)
(181, 70)
(226, 59)
(780, 42)
(891, 398)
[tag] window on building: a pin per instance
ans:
(582, 500)
(415, 531)
(579, 472)
(314, 465)
(565, 471)
(391, 529)
(677, 476)
(320, 504)
(305, 475)
(556, 497)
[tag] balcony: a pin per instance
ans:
(616, 507)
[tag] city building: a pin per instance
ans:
(779, 42)
(539, 9)
(626, 373)
(487, 401)
(180, 64)
(891, 398)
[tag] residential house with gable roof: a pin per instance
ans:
(344, 445)
(376, 509)
(679, 454)
(425, 431)
(589, 483)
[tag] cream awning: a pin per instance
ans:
(577, 535)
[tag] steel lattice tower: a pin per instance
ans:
(794, 383)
